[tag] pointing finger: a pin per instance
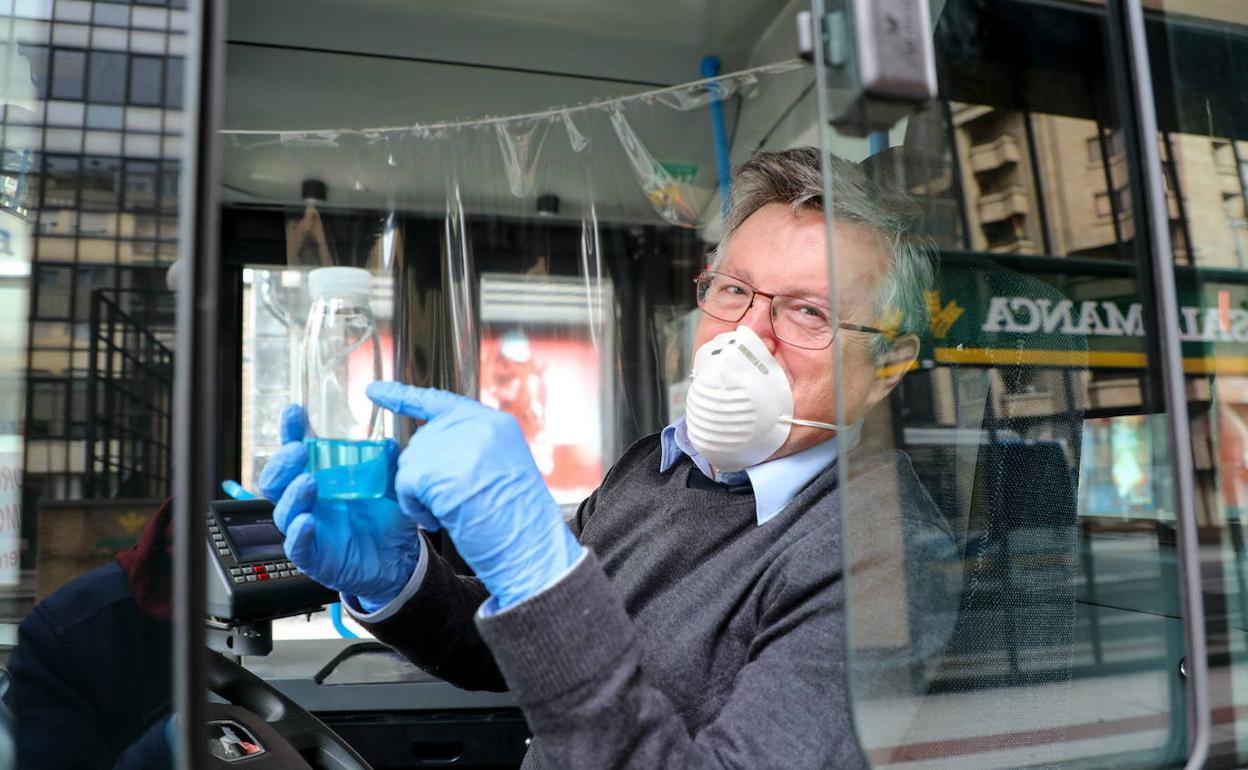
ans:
(410, 401)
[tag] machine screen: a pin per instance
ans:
(253, 535)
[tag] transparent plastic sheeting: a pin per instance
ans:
(662, 141)
(542, 262)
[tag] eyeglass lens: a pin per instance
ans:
(794, 320)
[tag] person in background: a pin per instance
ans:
(91, 678)
(691, 614)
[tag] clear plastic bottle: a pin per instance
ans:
(342, 355)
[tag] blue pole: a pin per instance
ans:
(877, 141)
(710, 69)
(335, 616)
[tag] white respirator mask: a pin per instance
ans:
(739, 409)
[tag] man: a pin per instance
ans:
(691, 613)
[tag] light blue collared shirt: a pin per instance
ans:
(775, 482)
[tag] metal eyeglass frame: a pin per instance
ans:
(771, 315)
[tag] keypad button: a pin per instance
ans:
(223, 551)
(251, 578)
(258, 568)
(263, 576)
(239, 579)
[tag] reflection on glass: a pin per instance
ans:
(1125, 470)
(1204, 149)
(543, 363)
(85, 384)
(1029, 419)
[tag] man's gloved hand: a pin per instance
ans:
(469, 470)
(364, 548)
(290, 459)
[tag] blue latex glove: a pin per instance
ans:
(291, 458)
(469, 470)
(236, 491)
(364, 548)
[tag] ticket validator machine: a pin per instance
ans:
(250, 581)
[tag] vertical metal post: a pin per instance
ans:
(195, 371)
(955, 163)
(1129, 16)
(1115, 211)
(1241, 258)
(89, 488)
(1046, 241)
(1172, 170)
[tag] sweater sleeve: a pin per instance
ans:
(574, 662)
(435, 630)
(433, 626)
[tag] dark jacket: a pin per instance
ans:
(692, 637)
(91, 677)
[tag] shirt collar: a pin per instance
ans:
(775, 482)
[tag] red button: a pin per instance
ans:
(262, 576)
(259, 568)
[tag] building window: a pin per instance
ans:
(68, 71)
(47, 410)
(101, 183)
(173, 83)
(89, 280)
(60, 181)
(1115, 145)
(54, 286)
(170, 171)
(107, 81)
(112, 15)
(146, 80)
(140, 190)
(1102, 204)
(1223, 155)
(37, 57)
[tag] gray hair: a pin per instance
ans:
(794, 177)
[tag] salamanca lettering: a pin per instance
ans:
(1025, 315)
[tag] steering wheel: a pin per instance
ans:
(258, 722)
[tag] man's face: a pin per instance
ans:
(779, 252)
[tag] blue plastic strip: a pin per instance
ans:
(335, 616)
(710, 69)
(236, 490)
(877, 142)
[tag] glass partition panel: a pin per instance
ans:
(1197, 53)
(532, 236)
(1009, 534)
(86, 346)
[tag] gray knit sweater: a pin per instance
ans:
(691, 636)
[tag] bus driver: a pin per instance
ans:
(690, 615)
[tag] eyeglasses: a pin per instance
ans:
(795, 321)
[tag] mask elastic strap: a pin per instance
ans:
(808, 423)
